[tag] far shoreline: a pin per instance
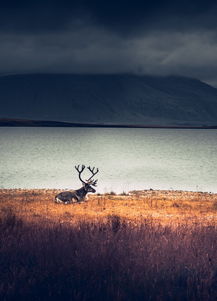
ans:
(8, 122)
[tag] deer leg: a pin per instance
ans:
(74, 199)
(58, 201)
(67, 202)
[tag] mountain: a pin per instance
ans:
(120, 99)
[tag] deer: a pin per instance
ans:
(79, 195)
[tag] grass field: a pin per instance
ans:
(149, 245)
(166, 207)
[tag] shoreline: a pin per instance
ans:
(139, 192)
(4, 122)
(132, 192)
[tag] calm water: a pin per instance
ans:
(128, 158)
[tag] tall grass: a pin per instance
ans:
(107, 261)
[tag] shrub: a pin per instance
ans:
(124, 193)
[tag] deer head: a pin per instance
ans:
(87, 185)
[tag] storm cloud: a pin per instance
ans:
(142, 37)
(120, 16)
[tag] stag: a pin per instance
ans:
(77, 196)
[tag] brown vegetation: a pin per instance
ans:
(165, 207)
(150, 245)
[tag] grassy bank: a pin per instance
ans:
(165, 207)
(150, 245)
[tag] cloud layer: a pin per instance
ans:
(147, 37)
(120, 16)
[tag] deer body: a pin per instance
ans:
(67, 197)
(74, 196)
(77, 196)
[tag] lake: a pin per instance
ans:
(128, 159)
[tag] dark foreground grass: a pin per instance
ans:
(107, 261)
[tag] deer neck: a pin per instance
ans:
(81, 193)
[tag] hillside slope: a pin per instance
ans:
(120, 98)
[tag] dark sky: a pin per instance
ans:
(142, 37)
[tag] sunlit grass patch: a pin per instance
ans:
(162, 206)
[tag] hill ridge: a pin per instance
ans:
(109, 98)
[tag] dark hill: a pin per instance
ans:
(125, 99)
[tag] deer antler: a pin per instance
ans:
(92, 182)
(93, 171)
(80, 172)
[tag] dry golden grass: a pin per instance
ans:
(165, 207)
(149, 245)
